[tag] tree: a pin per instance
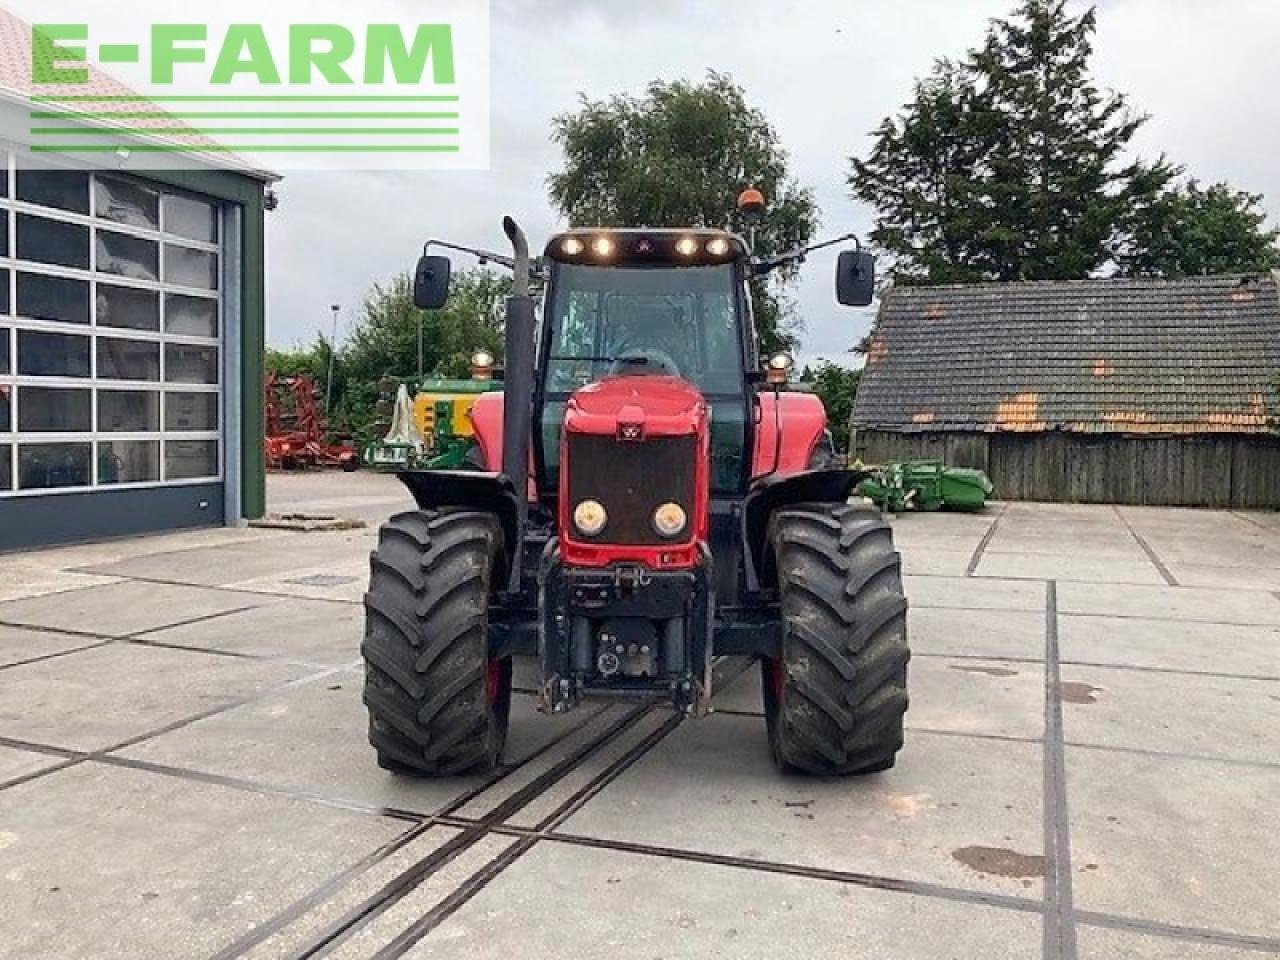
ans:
(679, 156)
(921, 177)
(1011, 164)
(837, 387)
(1189, 230)
(311, 360)
(384, 341)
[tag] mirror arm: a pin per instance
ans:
(486, 256)
(760, 267)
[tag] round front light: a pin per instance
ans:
(717, 246)
(670, 520)
(482, 365)
(589, 517)
(778, 369)
(572, 246)
(686, 246)
(603, 247)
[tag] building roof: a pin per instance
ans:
(1195, 356)
(16, 85)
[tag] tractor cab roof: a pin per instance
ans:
(642, 246)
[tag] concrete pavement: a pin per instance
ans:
(1090, 768)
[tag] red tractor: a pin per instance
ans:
(650, 498)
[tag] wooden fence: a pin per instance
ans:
(1220, 470)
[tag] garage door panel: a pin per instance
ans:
(111, 357)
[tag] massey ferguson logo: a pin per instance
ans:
(630, 432)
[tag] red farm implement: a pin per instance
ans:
(297, 435)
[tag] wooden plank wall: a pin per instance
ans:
(1208, 471)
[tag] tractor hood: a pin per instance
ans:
(653, 406)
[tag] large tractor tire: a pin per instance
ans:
(835, 700)
(437, 704)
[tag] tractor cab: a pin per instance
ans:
(651, 304)
(651, 500)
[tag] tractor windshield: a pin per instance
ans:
(617, 320)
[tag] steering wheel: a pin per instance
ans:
(645, 361)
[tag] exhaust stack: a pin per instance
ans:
(517, 388)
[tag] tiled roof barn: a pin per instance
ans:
(1085, 362)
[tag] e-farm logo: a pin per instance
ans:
(375, 94)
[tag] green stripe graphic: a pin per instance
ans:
(253, 115)
(248, 148)
(264, 98)
(212, 131)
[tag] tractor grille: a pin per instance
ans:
(631, 479)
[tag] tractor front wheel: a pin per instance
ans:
(437, 704)
(835, 699)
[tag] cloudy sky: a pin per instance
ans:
(824, 71)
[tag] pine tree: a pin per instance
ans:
(1010, 164)
(1056, 183)
(921, 176)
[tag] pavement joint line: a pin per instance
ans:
(1174, 931)
(1156, 562)
(922, 888)
(1010, 578)
(982, 544)
(1029, 661)
(36, 774)
(80, 756)
(932, 731)
(1175, 671)
(48, 749)
(54, 656)
(479, 828)
(263, 789)
(1069, 614)
(408, 880)
(1252, 522)
(335, 884)
(309, 796)
(1174, 755)
(202, 618)
(132, 634)
(270, 691)
(96, 569)
(63, 631)
(1139, 668)
(215, 652)
(461, 894)
(1059, 918)
(232, 589)
(115, 582)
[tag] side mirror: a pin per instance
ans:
(856, 278)
(431, 283)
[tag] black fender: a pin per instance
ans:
(770, 494)
(470, 490)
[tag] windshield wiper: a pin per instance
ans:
(633, 359)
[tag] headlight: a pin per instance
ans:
(571, 246)
(717, 246)
(589, 517)
(670, 519)
(686, 246)
(482, 365)
(778, 369)
(602, 247)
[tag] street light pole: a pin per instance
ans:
(333, 349)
